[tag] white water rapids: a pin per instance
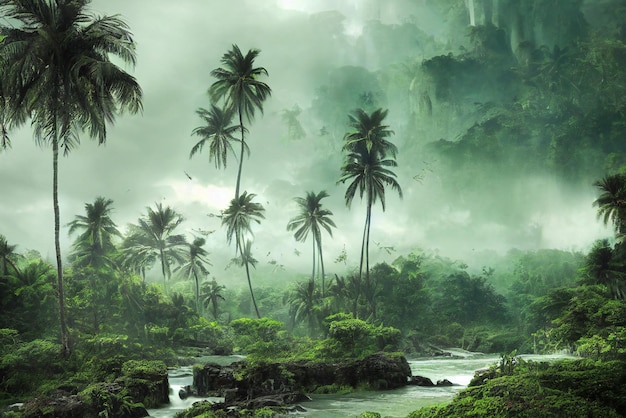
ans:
(390, 403)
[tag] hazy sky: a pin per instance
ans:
(146, 156)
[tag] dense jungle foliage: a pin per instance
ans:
(531, 96)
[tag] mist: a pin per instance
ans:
(327, 58)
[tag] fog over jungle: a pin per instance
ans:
(325, 58)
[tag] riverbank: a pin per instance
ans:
(458, 369)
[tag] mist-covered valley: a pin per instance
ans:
(434, 173)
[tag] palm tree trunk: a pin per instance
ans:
(66, 350)
(243, 148)
(245, 262)
(214, 307)
(195, 276)
(367, 260)
(313, 272)
(162, 255)
(358, 287)
(319, 250)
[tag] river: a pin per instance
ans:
(390, 403)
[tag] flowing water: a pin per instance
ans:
(390, 403)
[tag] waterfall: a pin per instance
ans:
(470, 5)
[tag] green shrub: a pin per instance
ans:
(356, 338)
(368, 414)
(261, 338)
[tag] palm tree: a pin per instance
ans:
(218, 132)
(311, 219)
(212, 293)
(603, 265)
(237, 83)
(367, 167)
(35, 290)
(369, 132)
(238, 219)
(55, 65)
(7, 255)
(178, 312)
(344, 291)
(155, 238)
(94, 245)
(294, 127)
(136, 255)
(195, 264)
(304, 304)
(612, 202)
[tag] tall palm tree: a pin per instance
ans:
(238, 219)
(218, 132)
(237, 83)
(55, 65)
(156, 238)
(195, 263)
(368, 170)
(212, 294)
(94, 246)
(312, 218)
(612, 202)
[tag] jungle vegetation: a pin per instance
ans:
(531, 97)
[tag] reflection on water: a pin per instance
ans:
(390, 403)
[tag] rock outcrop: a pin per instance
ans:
(377, 372)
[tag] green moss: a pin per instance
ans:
(567, 389)
(334, 388)
(144, 369)
(198, 409)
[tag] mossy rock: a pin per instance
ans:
(111, 400)
(517, 396)
(146, 382)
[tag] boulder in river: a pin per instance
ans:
(421, 381)
(444, 382)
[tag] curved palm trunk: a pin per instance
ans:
(319, 250)
(360, 283)
(245, 262)
(66, 350)
(243, 149)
